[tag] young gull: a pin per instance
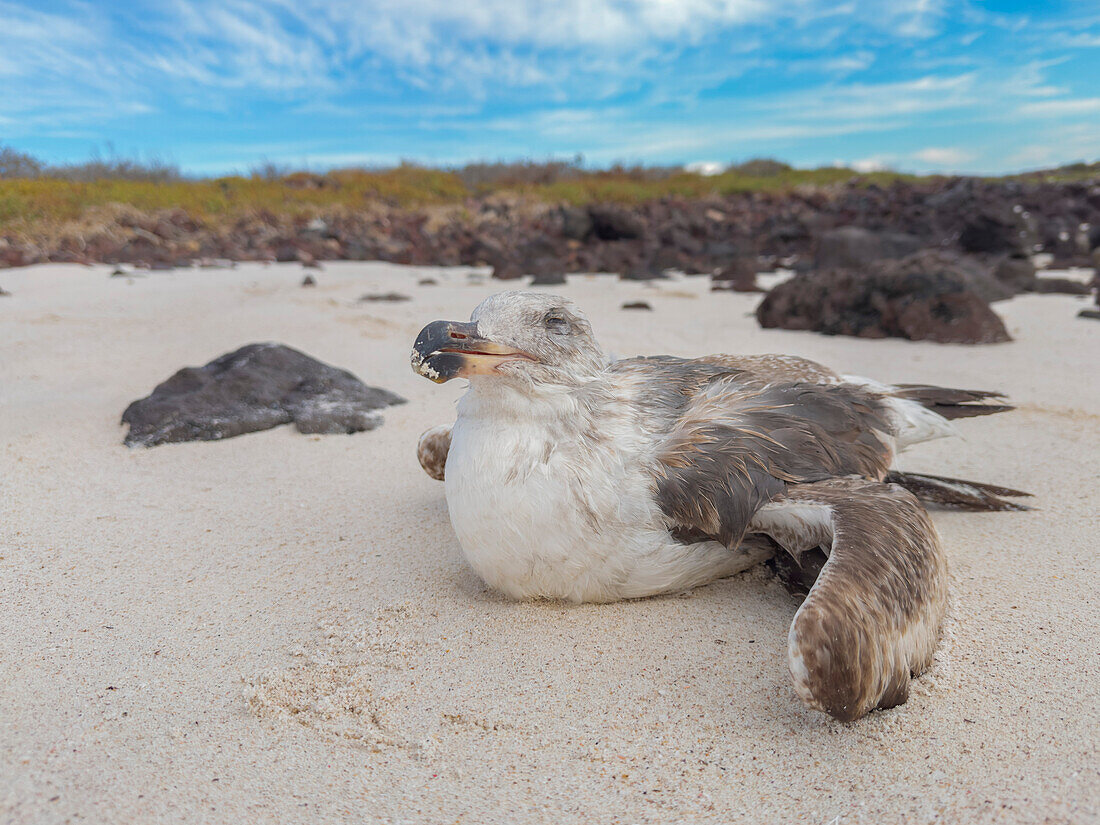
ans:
(571, 476)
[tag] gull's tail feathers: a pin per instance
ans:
(922, 412)
(956, 493)
(953, 403)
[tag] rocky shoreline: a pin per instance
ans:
(964, 237)
(519, 236)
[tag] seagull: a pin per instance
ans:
(573, 476)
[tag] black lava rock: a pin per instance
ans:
(614, 223)
(853, 247)
(1017, 273)
(739, 276)
(973, 273)
(254, 388)
(992, 231)
(916, 305)
(1059, 286)
(550, 277)
(575, 223)
(385, 297)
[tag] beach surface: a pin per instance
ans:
(281, 628)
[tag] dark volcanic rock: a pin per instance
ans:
(614, 256)
(575, 223)
(543, 259)
(643, 270)
(549, 278)
(973, 273)
(852, 247)
(1017, 273)
(637, 305)
(1059, 286)
(740, 276)
(507, 271)
(19, 255)
(309, 280)
(996, 231)
(257, 387)
(614, 223)
(1094, 284)
(385, 297)
(881, 303)
(518, 235)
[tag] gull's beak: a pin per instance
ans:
(453, 349)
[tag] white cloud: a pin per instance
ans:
(1084, 40)
(707, 168)
(854, 62)
(1060, 145)
(944, 157)
(1061, 108)
(285, 45)
(871, 102)
(878, 163)
(616, 79)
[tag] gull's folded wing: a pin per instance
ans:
(735, 447)
(872, 619)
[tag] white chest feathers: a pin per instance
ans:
(544, 509)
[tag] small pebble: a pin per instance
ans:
(390, 297)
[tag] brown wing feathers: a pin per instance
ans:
(872, 619)
(737, 447)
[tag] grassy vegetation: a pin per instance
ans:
(624, 188)
(34, 195)
(28, 202)
(1072, 173)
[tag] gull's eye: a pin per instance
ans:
(555, 322)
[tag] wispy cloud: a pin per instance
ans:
(615, 79)
(1060, 108)
(945, 157)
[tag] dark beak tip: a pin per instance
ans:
(426, 358)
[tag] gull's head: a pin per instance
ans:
(516, 337)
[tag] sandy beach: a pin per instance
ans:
(281, 628)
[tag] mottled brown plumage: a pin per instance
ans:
(734, 448)
(432, 449)
(872, 619)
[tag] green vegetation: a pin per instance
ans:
(35, 196)
(1071, 173)
(26, 202)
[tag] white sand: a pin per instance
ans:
(280, 628)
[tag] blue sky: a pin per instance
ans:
(221, 85)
